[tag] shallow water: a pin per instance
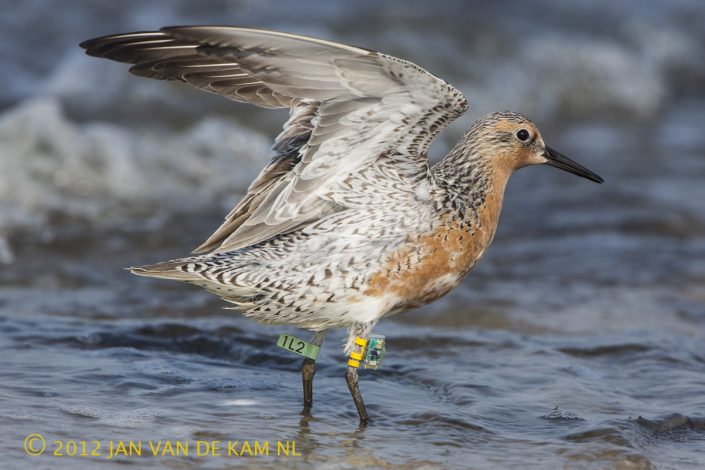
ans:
(577, 342)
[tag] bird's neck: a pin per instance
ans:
(471, 184)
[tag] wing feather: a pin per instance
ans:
(348, 106)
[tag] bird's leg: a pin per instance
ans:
(357, 343)
(308, 370)
(351, 379)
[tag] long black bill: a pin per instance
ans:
(564, 163)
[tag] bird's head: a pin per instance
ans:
(513, 141)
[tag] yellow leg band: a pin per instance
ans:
(356, 355)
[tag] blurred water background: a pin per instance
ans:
(577, 342)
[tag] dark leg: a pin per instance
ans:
(351, 379)
(357, 343)
(308, 370)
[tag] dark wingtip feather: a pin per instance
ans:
(95, 46)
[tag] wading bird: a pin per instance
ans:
(348, 223)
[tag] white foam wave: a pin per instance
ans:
(102, 172)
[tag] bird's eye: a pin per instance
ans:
(523, 135)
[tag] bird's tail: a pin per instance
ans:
(177, 269)
(195, 270)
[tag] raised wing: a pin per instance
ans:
(348, 106)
